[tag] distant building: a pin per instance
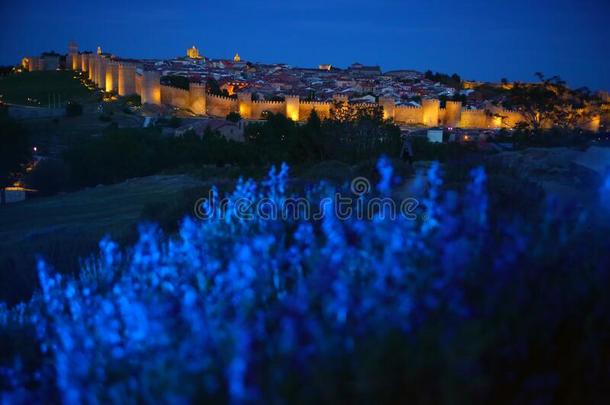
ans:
(435, 135)
(47, 61)
(50, 61)
(12, 195)
(325, 67)
(236, 58)
(193, 53)
(229, 130)
(362, 70)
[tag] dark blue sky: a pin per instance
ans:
(483, 40)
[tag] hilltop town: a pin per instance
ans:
(268, 81)
(217, 87)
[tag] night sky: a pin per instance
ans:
(481, 40)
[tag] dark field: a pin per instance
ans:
(65, 227)
(35, 88)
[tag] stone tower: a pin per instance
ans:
(84, 62)
(193, 53)
(127, 79)
(72, 59)
(112, 76)
(101, 72)
(197, 98)
(91, 66)
(389, 106)
(453, 113)
(292, 107)
(244, 101)
(151, 87)
(430, 109)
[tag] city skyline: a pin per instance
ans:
(413, 36)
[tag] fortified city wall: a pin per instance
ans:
(126, 78)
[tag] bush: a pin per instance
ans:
(449, 306)
(73, 109)
(15, 148)
(233, 117)
(174, 122)
(133, 99)
(48, 177)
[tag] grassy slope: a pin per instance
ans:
(18, 88)
(65, 227)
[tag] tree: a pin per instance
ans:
(551, 103)
(48, 176)
(343, 111)
(214, 88)
(73, 109)
(233, 117)
(15, 148)
(180, 82)
(174, 122)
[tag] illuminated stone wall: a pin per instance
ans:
(112, 77)
(452, 113)
(84, 62)
(244, 105)
(197, 98)
(123, 78)
(127, 79)
(430, 113)
(101, 73)
(292, 108)
(389, 107)
(151, 87)
(76, 62)
(175, 96)
(474, 119)
(322, 109)
(220, 106)
(276, 107)
(91, 65)
(139, 84)
(506, 118)
(404, 114)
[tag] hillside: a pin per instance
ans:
(67, 227)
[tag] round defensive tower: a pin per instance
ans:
(76, 62)
(91, 65)
(245, 104)
(151, 87)
(127, 79)
(84, 62)
(389, 106)
(112, 76)
(101, 73)
(72, 59)
(340, 98)
(96, 70)
(292, 107)
(197, 98)
(430, 107)
(453, 113)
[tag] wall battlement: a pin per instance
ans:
(122, 77)
(271, 102)
(219, 97)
